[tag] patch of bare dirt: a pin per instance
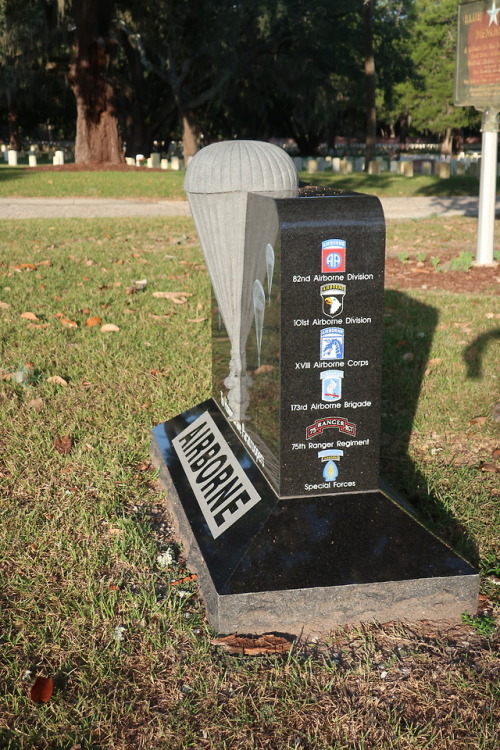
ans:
(413, 274)
(91, 167)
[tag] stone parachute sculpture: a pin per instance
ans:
(237, 258)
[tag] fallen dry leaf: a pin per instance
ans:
(485, 607)
(263, 369)
(25, 267)
(180, 298)
(109, 328)
(42, 689)
(488, 467)
(253, 646)
(496, 454)
(38, 325)
(196, 320)
(57, 380)
(63, 445)
(4, 305)
(68, 323)
(36, 404)
(29, 316)
(478, 420)
(94, 321)
(43, 263)
(186, 579)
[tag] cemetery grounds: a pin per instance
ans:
(105, 333)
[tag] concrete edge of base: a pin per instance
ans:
(316, 612)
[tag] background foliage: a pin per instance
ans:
(253, 68)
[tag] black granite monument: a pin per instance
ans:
(274, 481)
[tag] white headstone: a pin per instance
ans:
(406, 168)
(164, 164)
(345, 166)
(336, 164)
(12, 157)
(443, 170)
(175, 163)
(32, 160)
(155, 160)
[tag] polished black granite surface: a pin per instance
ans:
(297, 543)
(310, 339)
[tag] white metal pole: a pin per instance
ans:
(487, 188)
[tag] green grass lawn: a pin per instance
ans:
(84, 589)
(139, 184)
(391, 185)
(23, 182)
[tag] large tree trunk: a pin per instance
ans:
(97, 136)
(136, 134)
(370, 81)
(14, 132)
(447, 142)
(191, 134)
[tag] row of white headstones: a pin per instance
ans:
(406, 166)
(11, 157)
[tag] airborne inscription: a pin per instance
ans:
(221, 487)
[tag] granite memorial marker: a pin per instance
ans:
(274, 481)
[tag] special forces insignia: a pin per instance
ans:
(333, 299)
(330, 459)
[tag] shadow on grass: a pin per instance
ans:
(453, 186)
(408, 320)
(388, 184)
(474, 353)
(12, 173)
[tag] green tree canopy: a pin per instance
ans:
(428, 96)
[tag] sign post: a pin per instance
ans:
(477, 84)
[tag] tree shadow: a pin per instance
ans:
(474, 353)
(457, 185)
(12, 174)
(410, 326)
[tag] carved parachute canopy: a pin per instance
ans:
(217, 184)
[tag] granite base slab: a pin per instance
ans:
(307, 565)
